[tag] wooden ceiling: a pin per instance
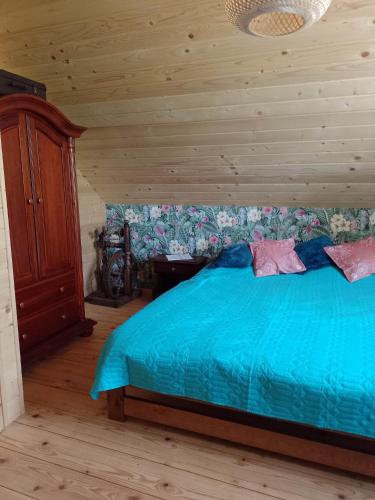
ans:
(183, 108)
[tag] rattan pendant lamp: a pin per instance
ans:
(275, 17)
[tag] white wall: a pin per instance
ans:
(11, 389)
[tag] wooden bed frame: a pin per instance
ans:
(342, 451)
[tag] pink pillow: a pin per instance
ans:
(275, 257)
(357, 259)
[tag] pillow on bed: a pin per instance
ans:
(275, 257)
(233, 256)
(357, 259)
(312, 252)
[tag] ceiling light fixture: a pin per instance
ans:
(275, 17)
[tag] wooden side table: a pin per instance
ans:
(170, 273)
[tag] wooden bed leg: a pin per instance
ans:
(115, 404)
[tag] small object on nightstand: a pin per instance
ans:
(179, 256)
(171, 273)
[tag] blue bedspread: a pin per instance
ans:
(295, 347)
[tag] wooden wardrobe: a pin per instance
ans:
(38, 159)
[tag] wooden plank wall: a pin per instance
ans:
(11, 389)
(185, 109)
(92, 216)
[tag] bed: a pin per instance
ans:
(285, 363)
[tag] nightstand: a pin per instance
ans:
(170, 273)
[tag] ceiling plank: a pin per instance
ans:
(183, 107)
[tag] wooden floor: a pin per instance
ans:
(65, 448)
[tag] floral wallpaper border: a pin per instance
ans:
(204, 230)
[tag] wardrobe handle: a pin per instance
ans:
(21, 305)
(63, 316)
(62, 289)
(30, 201)
(40, 200)
(24, 336)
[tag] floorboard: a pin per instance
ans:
(64, 447)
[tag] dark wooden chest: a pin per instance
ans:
(171, 273)
(37, 144)
(15, 84)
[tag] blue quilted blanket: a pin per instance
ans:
(294, 347)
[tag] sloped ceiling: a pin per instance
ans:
(183, 108)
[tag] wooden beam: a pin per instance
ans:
(332, 456)
(115, 399)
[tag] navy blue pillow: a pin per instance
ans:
(233, 256)
(312, 252)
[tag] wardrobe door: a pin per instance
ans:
(20, 199)
(54, 218)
